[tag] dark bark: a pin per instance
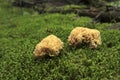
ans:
(23, 3)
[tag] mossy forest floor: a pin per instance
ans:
(21, 29)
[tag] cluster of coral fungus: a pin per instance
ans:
(51, 45)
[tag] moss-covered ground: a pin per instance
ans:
(21, 29)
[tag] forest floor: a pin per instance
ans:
(21, 29)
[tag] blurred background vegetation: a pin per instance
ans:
(22, 26)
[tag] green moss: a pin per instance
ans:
(49, 8)
(69, 7)
(116, 3)
(22, 29)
